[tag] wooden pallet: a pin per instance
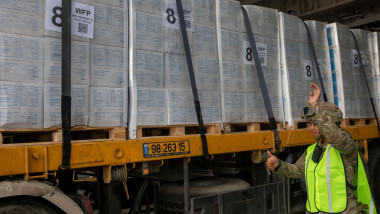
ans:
(358, 122)
(298, 125)
(249, 126)
(8, 136)
(175, 130)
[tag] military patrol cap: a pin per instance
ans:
(323, 111)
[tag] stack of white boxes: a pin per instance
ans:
(80, 79)
(21, 64)
(350, 92)
(107, 99)
(364, 40)
(297, 64)
(91, 65)
(264, 24)
(241, 95)
(231, 61)
(146, 64)
(159, 78)
(203, 46)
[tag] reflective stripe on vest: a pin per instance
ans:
(326, 182)
(363, 191)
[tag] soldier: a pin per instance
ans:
(330, 165)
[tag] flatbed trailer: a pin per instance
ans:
(26, 158)
(34, 163)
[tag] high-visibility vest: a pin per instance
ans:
(326, 183)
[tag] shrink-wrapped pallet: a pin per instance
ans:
(21, 105)
(158, 66)
(52, 105)
(364, 40)
(350, 91)
(298, 67)
(241, 96)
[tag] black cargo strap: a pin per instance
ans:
(192, 78)
(263, 86)
(365, 78)
(311, 45)
(66, 85)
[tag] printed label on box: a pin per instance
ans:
(170, 16)
(355, 58)
(82, 18)
(308, 69)
(248, 54)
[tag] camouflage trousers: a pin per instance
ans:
(352, 208)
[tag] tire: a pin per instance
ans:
(374, 166)
(170, 196)
(21, 206)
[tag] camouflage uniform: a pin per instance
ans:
(340, 140)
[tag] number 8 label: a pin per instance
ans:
(53, 15)
(355, 58)
(171, 19)
(56, 16)
(308, 69)
(249, 54)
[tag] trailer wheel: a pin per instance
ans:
(374, 166)
(170, 196)
(20, 206)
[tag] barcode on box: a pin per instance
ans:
(82, 28)
(262, 60)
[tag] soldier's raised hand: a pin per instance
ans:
(314, 94)
(272, 161)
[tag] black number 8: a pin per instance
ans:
(249, 54)
(56, 15)
(356, 59)
(308, 71)
(170, 18)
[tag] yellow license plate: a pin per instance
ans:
(157, 149)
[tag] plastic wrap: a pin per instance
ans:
(350, 91)
(298, 66)
(241, 96)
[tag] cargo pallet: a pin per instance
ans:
(9, 136)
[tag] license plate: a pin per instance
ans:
(157, 149)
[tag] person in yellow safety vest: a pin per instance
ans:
(335, 178)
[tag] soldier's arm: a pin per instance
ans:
(338, 138)
(296, 170)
